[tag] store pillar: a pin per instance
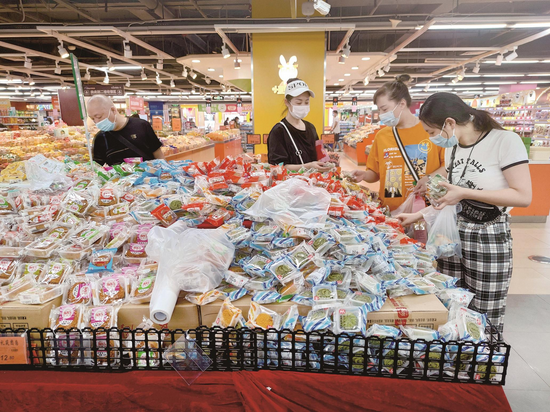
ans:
(267, 69)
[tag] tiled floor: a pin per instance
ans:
(527, 327)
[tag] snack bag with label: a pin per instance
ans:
(228, 315)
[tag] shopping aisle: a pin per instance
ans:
(527, 326)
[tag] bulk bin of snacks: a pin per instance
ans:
(301, 271)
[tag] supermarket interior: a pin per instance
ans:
(206, 235)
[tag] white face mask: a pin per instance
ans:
(299, 112)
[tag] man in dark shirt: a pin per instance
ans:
(120, 137)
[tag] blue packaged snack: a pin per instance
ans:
(102, 261)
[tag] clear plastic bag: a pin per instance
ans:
(293, 202)
(443, 236)
(194, 260)
(42, 172)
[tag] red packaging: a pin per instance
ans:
(217, 218)
(166, 216)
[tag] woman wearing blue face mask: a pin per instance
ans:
(488, 171)
(120, 137)
(402, 156)
(292, 141)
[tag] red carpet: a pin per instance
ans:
(237, 391)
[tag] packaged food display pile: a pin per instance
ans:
(224, 135)
(23, 144)
(176, 144)
(357, 135)
(85, 238)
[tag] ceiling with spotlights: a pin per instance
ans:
(432, 40)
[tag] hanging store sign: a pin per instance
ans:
(106, 89)
(137, 104)
(239, 105)
(354, 104)
(208, 105)
(55, 102)
(335, 102)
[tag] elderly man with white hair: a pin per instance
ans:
(120, 137)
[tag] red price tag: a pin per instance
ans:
(254, 139)
(328, 139)
(13, 350)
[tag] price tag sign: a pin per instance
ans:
(265, 138)
(176, 124)
(13, 350)
(328, 138)
(157, 124)
(254, 139)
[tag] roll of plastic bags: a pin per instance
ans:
(192, 260)
(293, 202)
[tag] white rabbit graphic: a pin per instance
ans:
(287, 70)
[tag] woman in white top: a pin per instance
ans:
(488, 171)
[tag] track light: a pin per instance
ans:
(372, 77)
(381, 72)
(237, 64)
(87, 75)
(128, 83)
(512, 55)
(62, 50)
(461, 74)
(28, 63)
(33, 93)
(184, 72)
(346, 50)
(157, 79)
(366, 81)
(57, 68)
(225, 52)
(321, 7)
(160, 64)
(193, 74)
(476, 68)
(207, 80)
(427, 87)
(110, 65)
(106, 79)
(172, 84)
(143, 75)
(127, 49)
(387, 67)
(500, 57)
(341, 59)
(31, 81)
(455, 80)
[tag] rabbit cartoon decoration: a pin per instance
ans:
(287, 70)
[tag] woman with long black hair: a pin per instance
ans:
(488, 172)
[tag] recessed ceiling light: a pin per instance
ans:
(365, 58)
(337, 84)
(221, 76)
(340, 80)
(355, 68)
(210, 69)
(195, 61)
(347, 74)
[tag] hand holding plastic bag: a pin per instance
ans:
(192, 260)
(293, 202)
(443, 235)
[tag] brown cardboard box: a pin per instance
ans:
(208, 313)
(412, 310)
(15, 315)
(185, 315)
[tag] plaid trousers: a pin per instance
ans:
(485, 267)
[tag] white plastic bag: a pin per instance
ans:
(42, 172)
(293, 202)
(193, 260)
(443, 235)
(406, 206)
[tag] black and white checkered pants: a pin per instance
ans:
(485, 267)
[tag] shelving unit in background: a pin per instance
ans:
(517, 119)
(14, 120)
(541, 121)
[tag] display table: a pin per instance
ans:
(357, 154)
(201, 154)
(239, 391)
(538, 211)
(231, 147)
